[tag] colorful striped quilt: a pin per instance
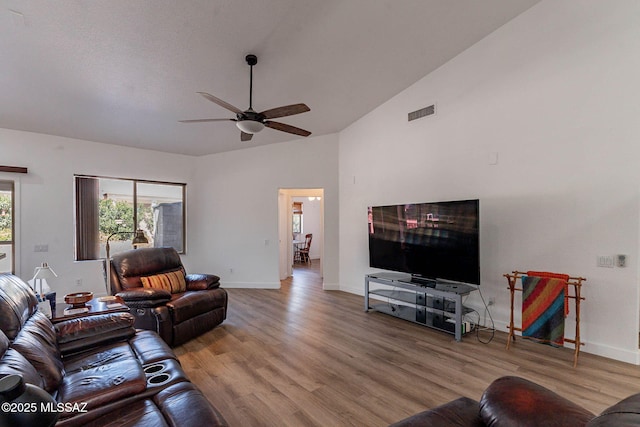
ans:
(562, 276)
(543, 311)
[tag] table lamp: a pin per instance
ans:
(41, 273)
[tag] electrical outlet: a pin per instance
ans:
(492, 301)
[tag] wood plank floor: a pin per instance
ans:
(301, 356)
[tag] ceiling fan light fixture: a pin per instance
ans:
(250, 126)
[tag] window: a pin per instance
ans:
(113, 208)
(297, 217)
(7, 232)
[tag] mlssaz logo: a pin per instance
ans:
(77, 407)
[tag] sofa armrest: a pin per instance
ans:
(201, 282)
(84, 332)
(624, 413)
(510, 401)
(460, 412)
(145, 297)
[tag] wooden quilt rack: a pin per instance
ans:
(573, 282)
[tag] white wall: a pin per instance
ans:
(311, 224)
(46, 197)
(237, 208)
(231, 206)
(555, 94)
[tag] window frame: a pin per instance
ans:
(11, 187)
(297, 213)
(134, 182)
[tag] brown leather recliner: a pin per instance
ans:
(179, 316)
(99, 369)
(515, 401)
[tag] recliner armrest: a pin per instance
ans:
(145, 297)
(88, 331)
(460, 412)
(201, 282)
(517, 401)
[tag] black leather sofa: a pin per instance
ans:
(516, 402)
(103, 370)
(176, 316)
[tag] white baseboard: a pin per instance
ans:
(250, 285)
(352, 289)
(627, 356)
(331, 286)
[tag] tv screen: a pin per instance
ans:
(438, 240)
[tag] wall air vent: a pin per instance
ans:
(423, 112)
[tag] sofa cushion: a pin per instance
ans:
(4, 343)
(13, 363)
(172, 281)
(143, 413)
(193, 303)
(85, 332)
(130, 266)
(200, 282)
(100, 385)
(37, 343)
(150, 348)
(98, 356)
(17, 304)
(182, 404)
(145, 297)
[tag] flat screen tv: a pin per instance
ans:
(430, 241)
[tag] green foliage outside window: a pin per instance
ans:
(5, 218)
(117, 215)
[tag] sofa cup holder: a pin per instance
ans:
(158, 379)
(154, 369)
(156, 374)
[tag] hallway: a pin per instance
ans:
(305, 275)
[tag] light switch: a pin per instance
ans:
(605, 261)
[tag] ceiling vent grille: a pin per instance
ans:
(423, 112)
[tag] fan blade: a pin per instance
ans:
(245, 136)
(287, 128)
(221, 103)
(288, 110)
(206, 120)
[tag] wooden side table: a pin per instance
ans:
(109, 304)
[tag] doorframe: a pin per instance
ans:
(285, 230)
(16, 264)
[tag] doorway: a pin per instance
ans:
(307, 219)
(7, 227)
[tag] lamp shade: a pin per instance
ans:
(44, 272)
(140, 238)
(250, 126)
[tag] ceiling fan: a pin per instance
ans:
(249, 121)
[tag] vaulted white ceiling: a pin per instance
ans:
(125, 71)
